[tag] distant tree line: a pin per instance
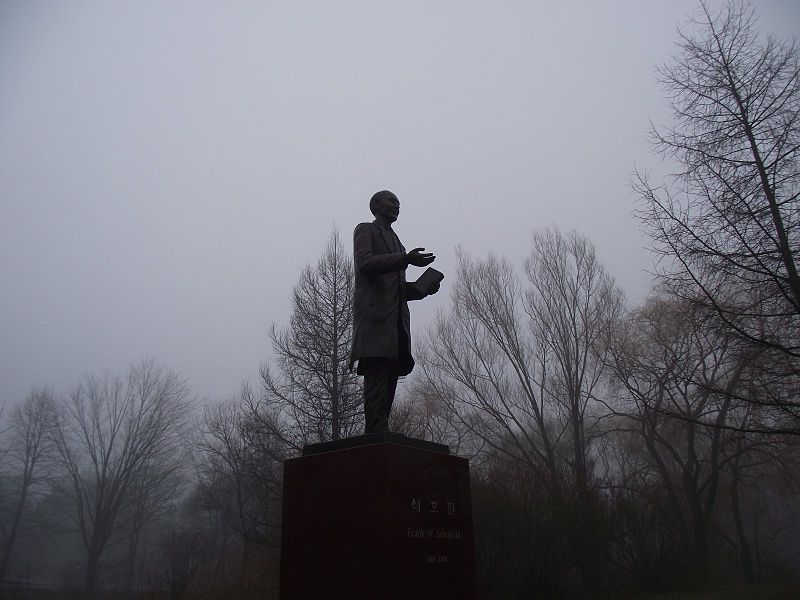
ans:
(87, 479)
(614, 450)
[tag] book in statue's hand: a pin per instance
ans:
(428, 280)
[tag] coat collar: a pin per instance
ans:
(380, 226)
(387, 234)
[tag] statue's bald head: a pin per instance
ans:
(379, 198)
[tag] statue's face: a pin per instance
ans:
(388, 208)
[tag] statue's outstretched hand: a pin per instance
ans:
(419, 258)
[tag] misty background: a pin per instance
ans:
(168, 169)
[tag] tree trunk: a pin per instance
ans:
(745, 554)
(12, 534)
(92, 562)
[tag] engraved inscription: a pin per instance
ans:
(433, 505)
(433, 534)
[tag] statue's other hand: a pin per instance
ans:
(434, 289)
(419, 258)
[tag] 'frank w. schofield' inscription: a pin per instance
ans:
(434, 534)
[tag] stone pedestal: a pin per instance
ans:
(377, 517)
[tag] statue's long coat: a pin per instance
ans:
(380, 296)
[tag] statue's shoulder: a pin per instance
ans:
(364, 226)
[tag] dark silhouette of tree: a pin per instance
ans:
(727, 225)
(664, 350)
(240, 469)
(319, 398)
(110, 433)
(686, 444)
(520, 370)
(29, 450)
(242, 450)
(184, 553)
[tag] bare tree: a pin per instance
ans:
(480, 362)
(150, 495)
(28, 451)
(572, 304)
(313, 386)
(422, 414)
(111, 431)
(241, 448)
(240, 469)
(521, 369)
(184, 553)
(677, 374)
(727, 225)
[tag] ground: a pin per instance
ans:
(765, 591)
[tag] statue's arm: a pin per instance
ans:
(374, 264)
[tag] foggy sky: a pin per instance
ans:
(168, 168)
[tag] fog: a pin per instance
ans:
(167, 169)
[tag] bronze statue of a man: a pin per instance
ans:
(381, 322)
